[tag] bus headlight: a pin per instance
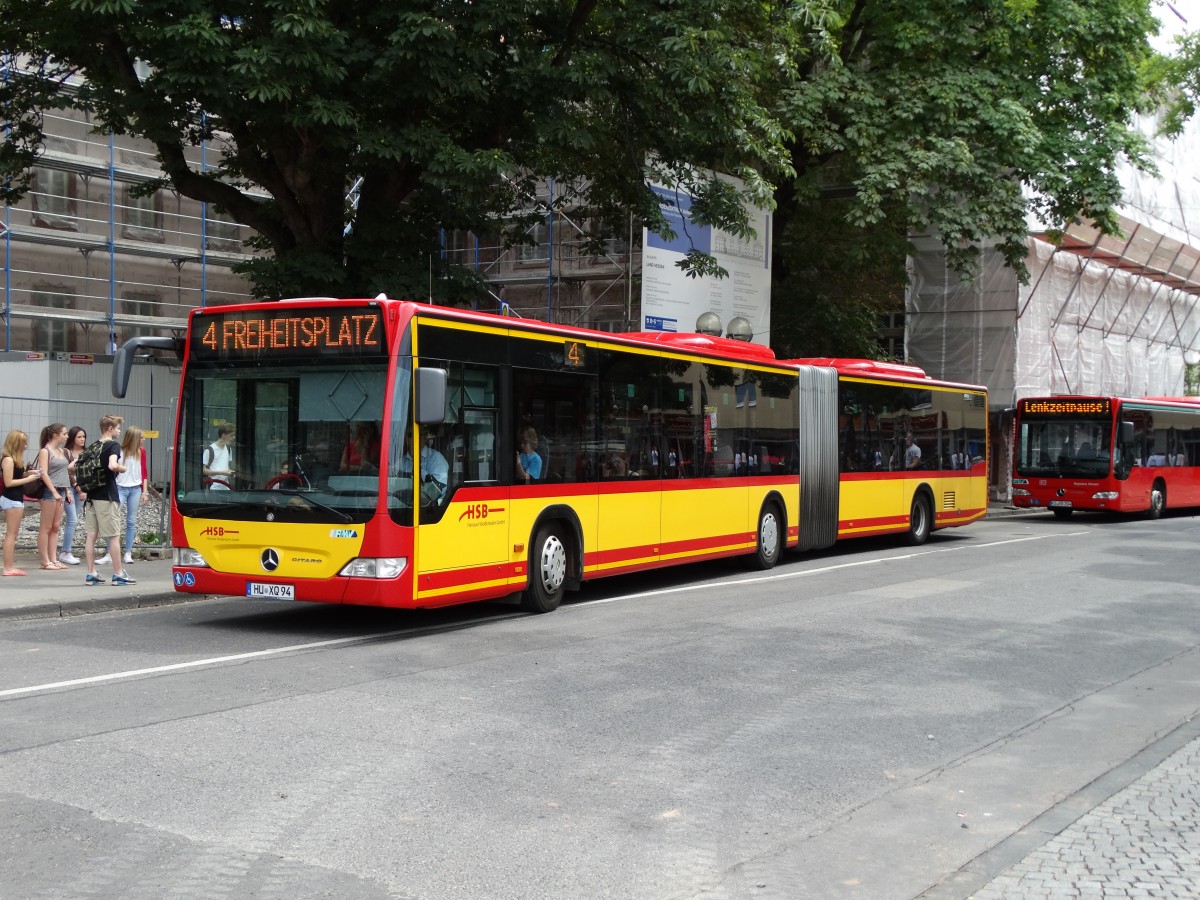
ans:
(1020, 492)
(1106, 495)
(186, 556)
(379, 567)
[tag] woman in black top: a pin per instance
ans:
(16, 476)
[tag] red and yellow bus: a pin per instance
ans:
(545, 455)
(1106, 453)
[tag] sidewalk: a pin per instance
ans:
(42, 594)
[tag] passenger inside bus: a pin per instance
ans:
(529, 463)
(361, 452)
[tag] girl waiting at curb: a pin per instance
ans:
(76, 444)
(131, 484)
(52, 462)
(12, 501)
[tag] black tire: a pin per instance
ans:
(1158, 500)
(1062, 513)
(770, 538)
(920, 521)
(547, 571)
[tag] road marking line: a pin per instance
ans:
(238, 657)
(341, 642)
(784, 576)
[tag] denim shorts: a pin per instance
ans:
(5, 503)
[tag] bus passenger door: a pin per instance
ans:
(462, 539)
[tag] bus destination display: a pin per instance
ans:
(1067, 406)
(289, 332)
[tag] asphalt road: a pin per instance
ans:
(868, 722)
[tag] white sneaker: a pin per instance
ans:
(127, 558)
(104, 560)
(69, 558)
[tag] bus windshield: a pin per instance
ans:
(292, 442)
(1064, 447)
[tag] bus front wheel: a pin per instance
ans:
(919, 521)
(1158, 500)
(547, 571)
(770, 537)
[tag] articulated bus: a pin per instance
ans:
(393, 453)
(1107, 453)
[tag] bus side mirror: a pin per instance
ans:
(431, 396)
(123, 358)
(1126, 434)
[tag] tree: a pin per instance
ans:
(864, 120)
(966, 120)
(444, 115)
(1174, 82)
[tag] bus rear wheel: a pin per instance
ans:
(770, 537)
(547, 571)
(919, 521)
(1158, 500)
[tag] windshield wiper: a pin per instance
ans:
(269, 502)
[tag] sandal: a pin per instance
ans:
(15, 572)
(53, 565)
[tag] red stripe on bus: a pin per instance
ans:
(471, 493)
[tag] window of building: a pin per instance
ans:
(535, 246)
(54, 197)
(51, 332)
(458, 246)
(142, 215)
(222, 233)
(147, 305)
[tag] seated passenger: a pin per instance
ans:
(361, 453)
(529, 463)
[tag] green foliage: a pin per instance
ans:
(442, 110)
(1173, 83)
(970, 120)
(865, 120)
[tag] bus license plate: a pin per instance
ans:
(260, 591)
(1059, 504)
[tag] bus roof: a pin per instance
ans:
(682, 342)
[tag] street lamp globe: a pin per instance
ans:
(709, 323)
(740, 329)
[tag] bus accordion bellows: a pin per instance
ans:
(1106, 453)
(392, 453)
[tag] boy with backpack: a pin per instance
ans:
(101, 512)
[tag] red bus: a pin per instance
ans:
(1107, 453)
(545, 456)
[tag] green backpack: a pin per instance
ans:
(90, 472)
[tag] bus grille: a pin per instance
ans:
(949, 501)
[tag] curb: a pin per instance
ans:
(1004, 512)
(113, 603)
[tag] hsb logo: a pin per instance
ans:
(478, 511)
